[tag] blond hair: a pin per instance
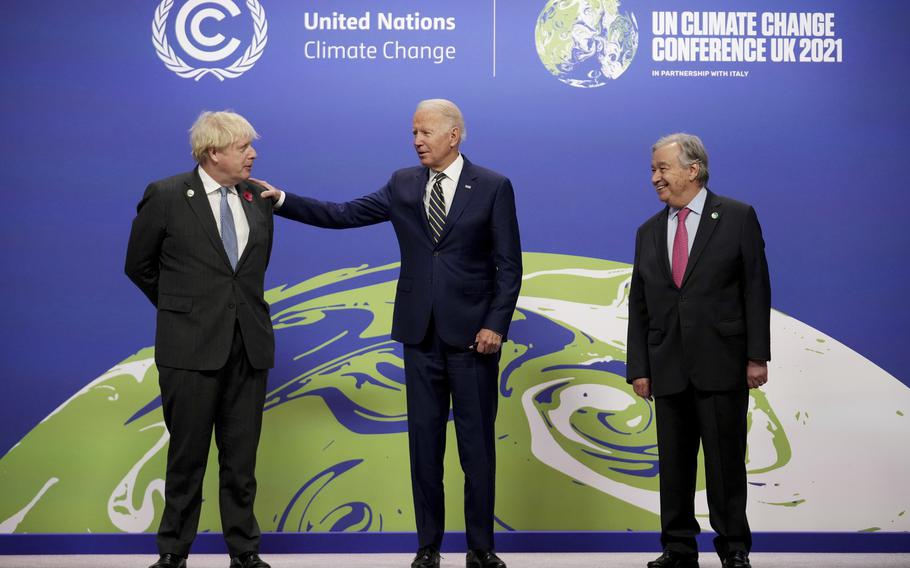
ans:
(218, 130)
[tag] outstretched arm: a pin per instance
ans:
(367, 210)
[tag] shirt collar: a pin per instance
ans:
(453, 172)
(209, 183)
(695, 206)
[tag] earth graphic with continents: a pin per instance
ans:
(585, 43)
(576, 450)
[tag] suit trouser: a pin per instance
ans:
(718, 421)
(435, 373)
(194, 402)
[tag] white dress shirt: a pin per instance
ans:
(241, 226)
(449, 184)
(696, 207)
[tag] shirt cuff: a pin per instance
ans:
(280, 201)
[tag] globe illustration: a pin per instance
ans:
(585, 43)
(576, 449)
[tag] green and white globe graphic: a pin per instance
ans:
(585, 43)
(575, 448)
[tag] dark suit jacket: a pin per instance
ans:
(176, 257)
(707, 330)
(469, 280)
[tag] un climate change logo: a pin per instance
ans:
(584, 43)
(207, 48)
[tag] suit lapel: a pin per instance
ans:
(463, 194)
(706, 225)
(199, 203)
(253, 218)
(660, 243)
(421, 179)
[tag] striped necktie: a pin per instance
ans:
(436, 213)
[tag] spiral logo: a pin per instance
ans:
(195, 31)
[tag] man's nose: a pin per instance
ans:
(253, 153)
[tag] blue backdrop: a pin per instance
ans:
(92, 115)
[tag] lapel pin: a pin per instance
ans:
(190, 193)
(715, 215)
(466, 186)
(248, 196)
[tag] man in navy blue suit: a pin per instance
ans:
(459, 282)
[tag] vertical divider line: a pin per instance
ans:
(494, 38)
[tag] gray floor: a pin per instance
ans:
(515, 560)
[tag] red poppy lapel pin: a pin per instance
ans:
(248, 196)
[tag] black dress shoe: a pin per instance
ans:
(427, 557)
(170, 561)
(737, 559)
(483, 559)
(248, 560)
(673, 559)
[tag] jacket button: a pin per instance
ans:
(230, 306)
(435, 254)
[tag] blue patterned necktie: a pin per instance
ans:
(437, 209)
(228, 231)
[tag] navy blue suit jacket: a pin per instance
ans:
(468, 281)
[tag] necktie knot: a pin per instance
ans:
(683, 213)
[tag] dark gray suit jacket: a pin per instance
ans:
(176, 257)
(706, 331)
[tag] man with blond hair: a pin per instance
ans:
(198, 249)
(460, 276)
